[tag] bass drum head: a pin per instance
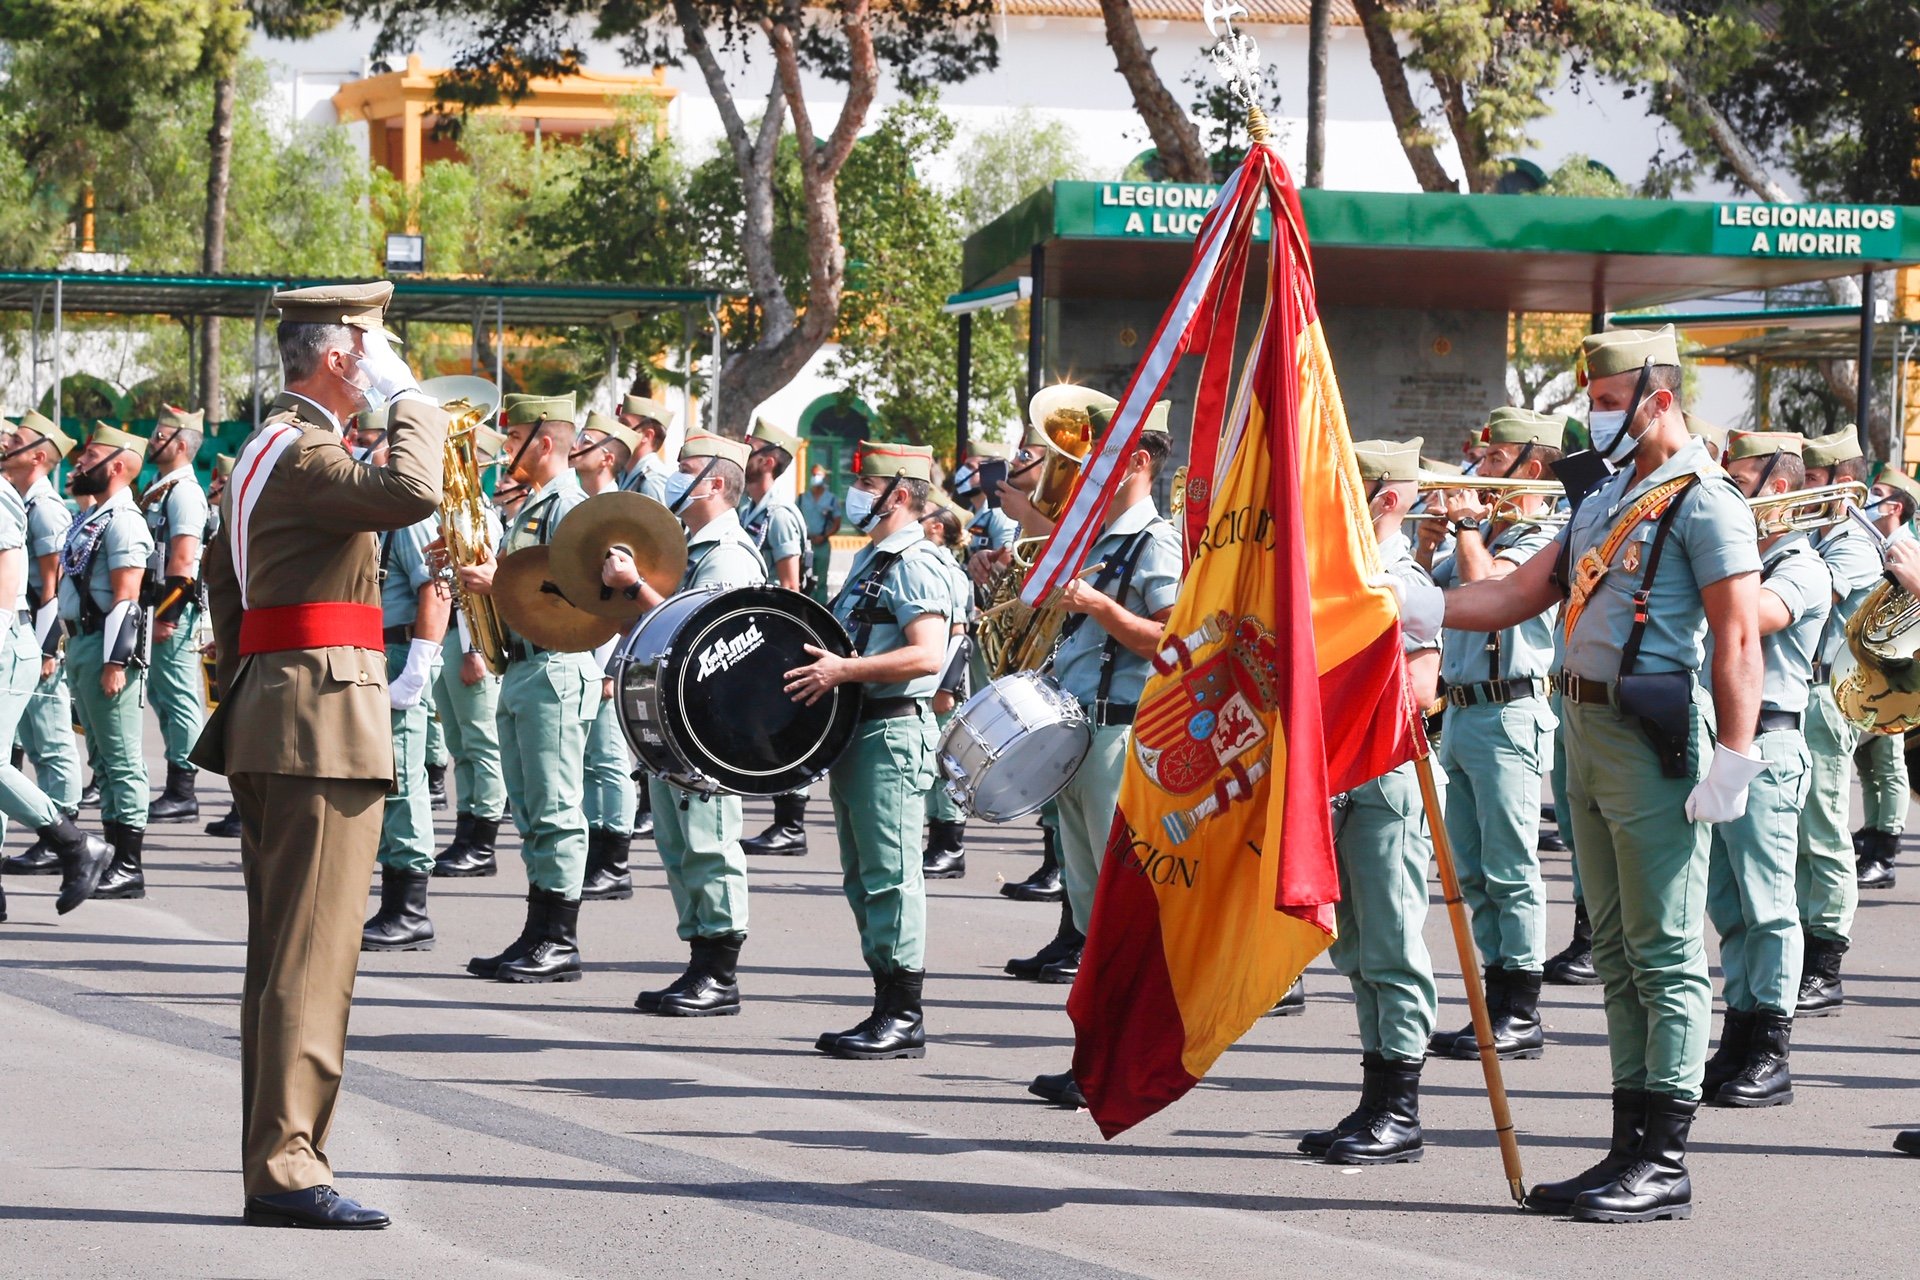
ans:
(722, 689)
(636, 689)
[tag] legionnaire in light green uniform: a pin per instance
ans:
(1825, 883)
(945, 854)
(1497, 739)
(1114, 620)
(547, 700)
(648, 469)
(777, 527)
(1882, 758)
(1670, 534)
(45, 735)
(176, 512)
(229, 825)
(605, 445)
(699, 836)
(103, 562)
(1750, 871)
(821, 510)
(895, 606)
(1382, 847)
(466, 698)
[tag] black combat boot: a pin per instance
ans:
(1874, 870)
(1446, 1044)
(37, 859)
(1736, 1037)
(177, 803)
(1390, 1131)
(1371, 1078)
(945, 857)
(437, 785)
(401, 924)
(520, 947)
(1821, 994)
(710, 988)
(1907, 1142)
(3, 904)
(642, 807)
(1044, 885)
(1513, 1010)
(1573, 967)
(477, 858)
(1292, 1004)
(555, 955)
(1066, 944)
(1763, 1079)
(895, 1028)
(90, 794)
(124, 877)
(610, 878)
(1655, 1184)
(1061, 1090)
(462, 839)
(786, 835)
(1629, 1126)
(227, 827)
(84, 862)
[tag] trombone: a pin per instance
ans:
(1508, 494)
(1807, 510)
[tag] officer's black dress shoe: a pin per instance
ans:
(228, 826)
(317, 1208)
(1061, 1090)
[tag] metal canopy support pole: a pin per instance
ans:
(1863, 384)
(259, 354)
(1036, 346)
(58, 334)
(963, 395)
(500, 342)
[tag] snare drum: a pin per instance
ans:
(1013, 746)
(699, 685)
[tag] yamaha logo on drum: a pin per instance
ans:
(721, 655)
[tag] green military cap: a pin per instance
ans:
(989, 449)
(223, 464)
(768, 433)
(1388, 459)
(363, 306)
(1512, 425)
(612, 428)
(374, 419)
(1763, 444)
(38, 423)
(701, 444)
(908, 461)
(1435, 467)
(1156, 419)
(641, 407)
(1624, 350)
(1827, 451)
(520, 407)
(115, 438)
(1896, 478)
(174, 418)
(487, 443)
(1715, 436)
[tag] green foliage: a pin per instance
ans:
(1004, 163)
(1580, 175)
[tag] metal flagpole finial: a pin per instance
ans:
(1237, 58)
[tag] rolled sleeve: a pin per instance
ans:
(127, 544)
(1157, 576)
(1716, 528)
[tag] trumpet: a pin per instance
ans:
(1509, 497)
(1807, 510)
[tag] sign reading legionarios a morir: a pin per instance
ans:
(1807, 230)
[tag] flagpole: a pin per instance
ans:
(1470, 974)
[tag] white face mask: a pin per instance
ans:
(362, 453)
(859, 508)
(678, 485)
(371, 401)
(1610, 426)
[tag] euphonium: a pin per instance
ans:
(464, 526)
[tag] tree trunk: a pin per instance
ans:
(1317, 92)
(1407, 121)
(213, 253)
(1182, 154)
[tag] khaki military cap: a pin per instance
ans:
(1388, 459)
(114, 438)
(363, 306)
(223, 464)
(1435, 467)
(1624, 350)
(641, 407)
(1155, 423)
(989, 449)
(38, 423)
(487, 443)
(1897, 478)
(768, 433)
(1763, 444)
(909, 461)
(174, 418)
(704, 445)
(612, 428)
(371, 419)
(1715, 436)
(1511, 425)
(521, 408)
(1826, 451)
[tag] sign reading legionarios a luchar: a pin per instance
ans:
(1807, 230)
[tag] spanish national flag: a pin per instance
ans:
(1280, 682)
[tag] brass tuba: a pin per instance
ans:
(464, 527)
(1876, 681)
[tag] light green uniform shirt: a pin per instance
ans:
(1856, 568)
(48, 519)
(721, 555)
(404, 570)
(913, 587)
(179, 512)
(1526, 651)
(13, 536)
(819, 510)
(1712, 539)
(992, 529)
(1793, 571)
(777, 527)
(647, 476)
(125, 543)
(1155, 585)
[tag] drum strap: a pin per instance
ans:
(866, 591)
(1121, 567)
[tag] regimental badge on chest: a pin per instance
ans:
(1630, 558)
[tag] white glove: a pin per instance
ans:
(1423, 606)
(1721, 796)
(407, 687)
(387, 373)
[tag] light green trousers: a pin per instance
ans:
(878, 790)
(46, 735)
(1826, 880)
(113, 732)
(822, 561)
(1557, 779)
(609, 777)
(1494, 756)
(1883, 781)
(1643, 868)
(699, 843)
(1750, 882)
(20, 799)
(1382, 849)
(543, 743)
(469, 717)
(406, 823)
(179, 690)
(941, 806)
(1086, 806)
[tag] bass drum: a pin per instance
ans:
(699, 686)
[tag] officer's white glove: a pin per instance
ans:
(411, 683)
(1423, 606)
(1721, 796)
(387, 373)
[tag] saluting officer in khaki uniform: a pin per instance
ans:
(304, 730)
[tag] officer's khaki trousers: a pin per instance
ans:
(306, 850)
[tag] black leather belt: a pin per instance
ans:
(24, 617)
(402, 634)
(1597, 693)
(1778, 721)
(1822, 672)
(1108, 714)
(521, 651)
(1495, 691)
(891, 708)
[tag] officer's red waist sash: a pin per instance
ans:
(320, 625)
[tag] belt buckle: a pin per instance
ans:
(1100, 712)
